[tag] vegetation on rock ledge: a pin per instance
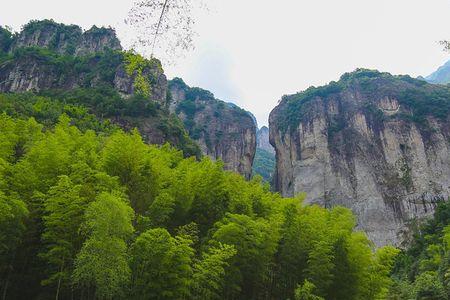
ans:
(422, 98)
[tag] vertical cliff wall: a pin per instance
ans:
(262, 140)
(222, 130)
(376, 143)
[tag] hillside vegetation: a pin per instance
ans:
(422, 271)
(264, 164)
(422, 98)
(103, 215)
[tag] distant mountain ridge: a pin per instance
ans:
(441, 75)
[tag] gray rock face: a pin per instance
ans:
(124, 83)
(97, 40)
(222, 131)
(368, 144)
(48, 55)
(31, 73)
(262, 140)
(66, 39)
(34, 69)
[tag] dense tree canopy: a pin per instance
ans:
(422, 271)
(100, 214)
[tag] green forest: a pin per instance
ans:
(91, 212)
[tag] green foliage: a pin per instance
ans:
(306, 292)
(63, 215)
(104, 215)
(13, 214)
(102, 262)
(423, 99)
(255, 242)
(6, 39)
(47, 110)
(264, 164)
(161, 265)
(140, 68)
(210, 271)
(91, 109)
(126, 157)
(422, 270)
(427, 286)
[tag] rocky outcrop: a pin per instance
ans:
(262, 140)
(65, 39)
(97, 40)
(375, 143)
(47, 56)
(223, 131)
(33, 70)
(39, 60)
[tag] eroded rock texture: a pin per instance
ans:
(372, 142)
(66, 39)
(222, 130)
(262, 140)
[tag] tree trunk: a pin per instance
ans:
(5, 290)
(59, 280)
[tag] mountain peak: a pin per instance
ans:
(441, 75)
(65, 39)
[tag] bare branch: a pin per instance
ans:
(163, 28)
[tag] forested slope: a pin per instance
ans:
(92, 212)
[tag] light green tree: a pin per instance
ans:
(63, 216)
(102, 262)
(161, 265)
(306, 292)
(209, 273)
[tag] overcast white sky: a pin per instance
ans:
(251, 52)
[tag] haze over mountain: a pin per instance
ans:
(441, 75)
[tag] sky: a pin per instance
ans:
(252, 52)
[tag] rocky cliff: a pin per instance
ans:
(65, 39)
(63, 61)
(262, 140)
(47, 55)
(376, 143)
(222, 130)
(264, 162)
